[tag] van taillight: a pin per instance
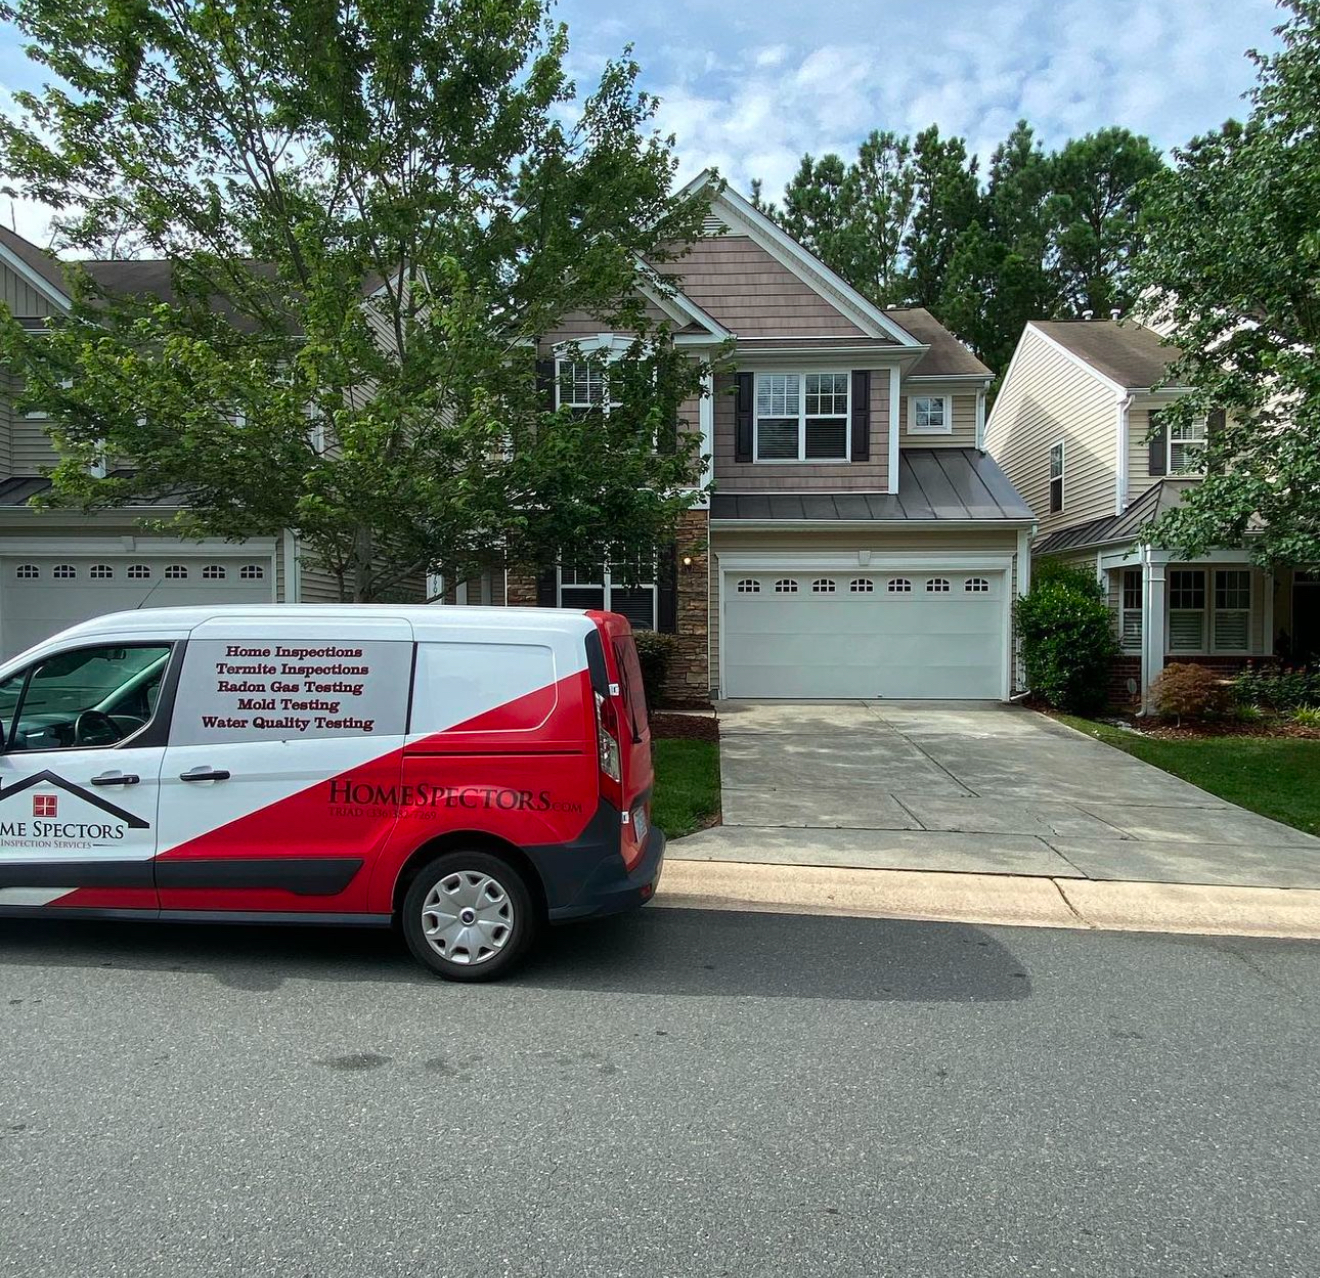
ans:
(607, 738)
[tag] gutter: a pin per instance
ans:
(873, 525)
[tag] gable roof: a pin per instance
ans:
(41, 269)
(744, 217)
(947, 356)
(1131, 356)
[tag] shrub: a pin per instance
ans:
(1248, 714)
(1185, 691)
(1282, 688)
(1067, 638)
(1307, 716)
(655, 653)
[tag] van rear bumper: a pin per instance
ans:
(612, 888)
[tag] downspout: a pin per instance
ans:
(1121, 476)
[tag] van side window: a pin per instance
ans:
(483, 687)
(634, 691)
(86, 697)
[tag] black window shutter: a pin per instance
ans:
(666, 592)
(742, 449)
(547, 588)
(861, 415)
(545, 384)
(1214, 424)
(1159, 447)
(668, 441)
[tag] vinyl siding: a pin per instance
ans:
(738, 283)
(30, 449)
(734, 476)
(964, 424)
(1048, 398)
(893, 541)
(6, 427)
(1139, 476)
(318, 585)
(21, 298)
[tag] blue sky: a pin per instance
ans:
(749, 85)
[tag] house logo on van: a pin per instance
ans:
(45, 823)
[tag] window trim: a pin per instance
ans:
(1202, 424)
(606, 587)
(1212, 604)
(914, 429)
(605, 404)
(1209, 579)
(1203, 612)
(801, 459)
(1059, 446)
(1124, 611)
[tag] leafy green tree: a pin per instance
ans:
(370, 212)
(1230, 267)
(881, 190)
(1094, 209)
(817, 208)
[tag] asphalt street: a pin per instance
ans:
(673, 1093)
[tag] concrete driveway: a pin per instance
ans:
(976, 787)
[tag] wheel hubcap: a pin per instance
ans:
(467, 917)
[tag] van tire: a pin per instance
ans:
(469, 887)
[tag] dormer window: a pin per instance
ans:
(929, 415)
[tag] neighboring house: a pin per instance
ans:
(860, 542)
(1072, 428)
(63, 566)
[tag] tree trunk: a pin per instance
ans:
(363, 546)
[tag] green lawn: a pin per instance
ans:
(687, 785)
(1278, 777)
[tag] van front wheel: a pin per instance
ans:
(468, 916)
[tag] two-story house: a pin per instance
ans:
(860, 541)
(1076, 428)
(59, 567)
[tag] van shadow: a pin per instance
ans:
(655, 952)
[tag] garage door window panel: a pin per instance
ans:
(899, 586)
(802, 417)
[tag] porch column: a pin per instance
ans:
(1154, 614)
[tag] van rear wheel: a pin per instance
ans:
(468, 916)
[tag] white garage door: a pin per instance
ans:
(42, 594)
(929, 634)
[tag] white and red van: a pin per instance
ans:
(469, 772)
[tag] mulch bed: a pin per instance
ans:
(1164, 731)
(687, 727)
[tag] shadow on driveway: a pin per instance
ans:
(655, 952)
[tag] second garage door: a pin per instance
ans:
(938, 634)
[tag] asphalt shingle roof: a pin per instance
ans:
(1122, 350)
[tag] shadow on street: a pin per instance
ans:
(659, 951)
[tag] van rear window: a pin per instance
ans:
(483, 687)
(630, 679)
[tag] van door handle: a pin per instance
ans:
(116, 778)
(204, 774)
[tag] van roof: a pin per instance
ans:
(428, 617)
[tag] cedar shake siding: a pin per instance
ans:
(739, 284)
(578, 326)
(734, 476)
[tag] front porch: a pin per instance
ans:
(1219, 610)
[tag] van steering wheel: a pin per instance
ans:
(95, 728)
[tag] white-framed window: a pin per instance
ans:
(862, 586)
(1129, 610)
(581, 384)
(1187, 448)
(937, 586)
(213, 572)
(176, 572)
(1231, 630)
(64, 572)
(976, 586)
(899, 586)
(1187, 610)
(802, 417)
(251, 572)
(930, 415)
(27, 572)
(748, 586)
(822, 586)
(1056, 477)
(138, 572)
(593, 585)
(786, 586)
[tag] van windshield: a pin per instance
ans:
(630, 680)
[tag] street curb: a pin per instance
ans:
(992, 899)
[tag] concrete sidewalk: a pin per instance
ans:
(974, 788)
